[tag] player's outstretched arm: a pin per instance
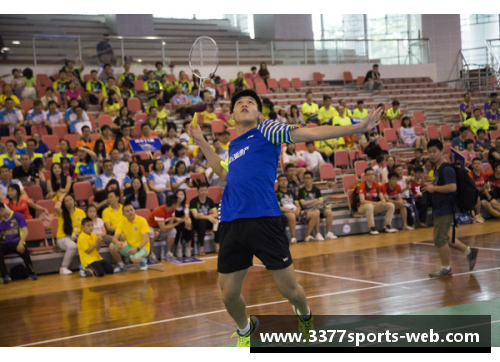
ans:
(329, 132)
(212, 158)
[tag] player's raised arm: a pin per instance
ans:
(329, 132)
(213, 160)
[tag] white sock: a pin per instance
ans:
(308, 312)
(242, 332)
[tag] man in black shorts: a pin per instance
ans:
(249, 214)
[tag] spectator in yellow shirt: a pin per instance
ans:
(477, 122)
(360, 112)
(394, 112)
(327, 113)
(327, 148)
(94, 87)
(310, 109)
(347, 111)
(88, 249)
(342, 119)
(152, 85)
(224, 140)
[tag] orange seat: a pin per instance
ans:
(143, 212)
(218, 126)
(433, 132)
(198, 176)
(215, 193)
(260, 88)
(233, 133)
(139, 85)
(104, 119)
(348, 78)
(284, 83)
(36, 231)
(360, 166)
(191, 194)
(317, 77)
(60, 131)
(50, 205)
(327, 172)
(83, 190)
(296, 83)
(151, 201)
(341, 158)
(348, 181)
(134, 104)
(72, 139)
(34, 192)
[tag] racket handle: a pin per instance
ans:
(194, 123)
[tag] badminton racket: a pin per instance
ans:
(203, 61)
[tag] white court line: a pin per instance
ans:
(477, 247)
(250, 306)
(332, 276)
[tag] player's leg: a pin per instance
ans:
(230, 285)
(442, 225)
(289, 288)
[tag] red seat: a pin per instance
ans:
(83, 190)
(134, 104)
(390, 135)
(272, 83)
(36, 231)
(418, 116)
(104, 119)
(233, 133)
(59, 131)
(250, 83)
(301, 146)
(486, 167)
(143, 212)
(191, 194)
(447, 148)
(348, 181)
(50, 205)
(198, 176)
(348, 78)
(218, 126)
(215, 193)
(27, 105)
(260, 88)
(140, 117)
(171, 77)
(151, 201)
(47, 173)
(232, 89)
(139, 85)
(355, 155)
(494, 135)
(360, 167)
(95, 136)
(396, 124)
(34, 192)
(360, 81)
(446, 131)
(341, 158)
(433, 132)
(384, 145)
(383, 125)
(296, 83)
(284, 84)
(72, 139)
(317, 77)
(327, 172)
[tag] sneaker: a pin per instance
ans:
(143, 265)
(65, 271)
(244, 341)
(373, 231)
(389, 229)
(169, 256)
(472, 257)
(293, 241)
(120, 267)
(319, 237)
(188, 252)
(33, 277)
(309, 238)
(478, 219)
(152, 258)
(82, 273)
(179, 253)
(441, 272)
(304, 325)
(7, 279)
(407, 227)
(330, 236)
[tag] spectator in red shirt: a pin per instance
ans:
(392, 194)
(20, 203)
(421, 199)
(485, 198)
(371, 201)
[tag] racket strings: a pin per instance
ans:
(204, 57)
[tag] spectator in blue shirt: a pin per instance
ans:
(458, 143)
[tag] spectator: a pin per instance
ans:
(208, 114)
(327, 148)
(85, 139)
(79, 121)
(181, 179)
(264, 72)
(225, 137)
(6, 94)
(70, 113)
(17, 202)
(10, 117)
(17, 82)
(163, 113)
(111, 105)
(134, 233)
(21, 145)
(107, 138)
(203, 216)
(293, 180)
(487, 105)
(311, 199)
(372, 202)
(127, 75)
(225, 114)
(65, 150)
(360, 112)
(136, 194)
(6, 181)
(15, 231)
(160, 72)
(152, 85)
(181, 103)
(477, 122)
(162, 226)
(421, 198)
(313, 158)
(76, 72)
(341, 119)
(166, 156)
(219, 150)
(100, 151)
(310, 110)
(493, 115)
(30, 147)
(29, 85)
(98, 224)
(418, 161)
(10, 158)
(101, 196)
(185, 228)
(135, 171)
(267, 107)
(88, 250)
(94, 87)
(482, 143)
(49, 97)
(392, 194)
(72, 93)
(123, 118)
(154, 99)
(104, 50)
(184, 138)
(123, 154)
(379, 167)
(120, 168)
(112, 216)
(480, 180)
(111, 86)
(156, 124)
(282, 115)
(408, 136)
(442, 192)
(108, 72)
(466, 108)
(254, 74)
(59, 184)
(86, 168)
(107, 175)
(239, 83)
(126, 92)
(184, 83)
(179, 155)
(61, 85)
(146, 131)
(469, 152)
(290, 207)
(194, 96)
(69, 219)
(428, 170)
(390, 166)
(458, 143)
(53, 117)
(295, 116)
(394, 112)
(69, 170)
(372, 79)
(25, 172)
(159, 181)
(199, 162)
(40, 146)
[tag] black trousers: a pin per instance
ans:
(183, 233)
(185, 110)
(422, 207)
(200, 227)
(101, 268)
(9, 248)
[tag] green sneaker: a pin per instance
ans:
(441, 272)
(304, 326)
(244, 341)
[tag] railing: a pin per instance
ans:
(38, 48)
(493, 46)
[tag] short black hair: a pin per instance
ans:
(31, 140)
(392, 174)
(86, 220)
(105, 127)
(375, 65)
(11, 141)
(493, 102)
(158, 63)
(253, 68)
(225, 133)
(201, 184)
(107, 65)
(308, 92)
(493, 95)
(476, 159)
(145, 125)
(62, 71)
(435, 143)
(93, 71)
(165, 148)
(395, 102)
(110, 77)
(361, 102)
(325, 97)
(282, 175)
(289, 166)
(309, 143)
(368, 169)
(123, 126)
(49, 89)
(476, 109)
(85, 127)
(171, 200)
(51, 103)
(465, 94)
(380, 159)
(107, 161)
(463, 129)
(418, 169)
(397, 166)
(116, 192)
(246, 93)
(308, 173)
(481, 130)
(468, 141)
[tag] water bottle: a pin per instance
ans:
(163, 253)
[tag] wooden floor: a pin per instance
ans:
(385, 274)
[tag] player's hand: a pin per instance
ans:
(20, 248)
(196, 133)
(371, 120)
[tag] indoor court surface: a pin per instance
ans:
(362, 274)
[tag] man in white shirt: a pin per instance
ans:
(36, 118)
(313, 158)
(79, 121)
(5, 181)
(53, 117)
(102, 180)
(219, 151)
(10, 117)
(120, 168)
(405, 183)
(70, 115)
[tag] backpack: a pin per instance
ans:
(355, 199)
(18, 272)
(373, 150)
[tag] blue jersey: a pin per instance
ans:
(252, 165)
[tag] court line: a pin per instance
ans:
(477, 247)
(250, 306)
(332, 276)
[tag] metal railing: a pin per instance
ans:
(493, 47)
(38, 48)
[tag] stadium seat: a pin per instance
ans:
(83, 190)
(151, 201)
(327, 172)
(34, 192)
(138, 85)
(360, 81)
(446, 132)
(317, 77)
(36, 232)
(447, 148)
(134, 104)
(250, 83)
(72, 139)
(143, 213)
(171, 77)
(296, 83)
(390, 135)
(285, 84)
(383, 125)
(233, 133)
(418, 116)
(50, 205)
(384, 145)
(432, 132)
(52, 142)
(360, 166)
(191, 194)
(348, 79)
(27, 105)
(95, 136)
(140, 117)
(494, 135)
(272, 83)
(396, 124)
(104, 119)
(260, 88)
(59, 131)
(198, 176)
(486, 167)
(355, 155)
(218, 126)
(341, 158)
(215, 193)
(348, 181)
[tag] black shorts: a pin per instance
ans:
(241, 239)
(483, 197)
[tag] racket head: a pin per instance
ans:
(204, 57)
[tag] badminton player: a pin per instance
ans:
(249, 213)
